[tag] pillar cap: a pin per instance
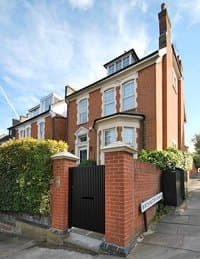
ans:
(119, 146)
(65, 155)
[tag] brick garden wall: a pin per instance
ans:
(147, 184)
(128, 182)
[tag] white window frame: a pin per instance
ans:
(134, 136)
(23, 131)
(104, 137)
(78, 109)
(38, 129)
(43, 104)
(81, 145)
(114, 101)
(28, 131)
(134, 95)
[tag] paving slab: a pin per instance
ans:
(191, 243)
(166, 228)
(194, 220)
(163, 239)
(191, 212)
(175, 219)
(188, 230)
(147, 251)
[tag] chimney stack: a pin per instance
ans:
(164, 27)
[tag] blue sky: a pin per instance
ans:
(47, 44)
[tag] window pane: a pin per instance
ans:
(125, 61)
(83, 138)
(111, 69)
(128, 103)
(109, 102)
(128, 89)
(118, 65)
(109, 109)
(129, 136)
(128, 92)
(83, 111)
(109, 136)
(109, 96)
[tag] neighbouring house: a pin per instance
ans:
(45, 120)
(140, 102)
(4, 138)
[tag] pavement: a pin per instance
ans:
(15, 247)
(176, 235)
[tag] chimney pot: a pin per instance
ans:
(163, 6)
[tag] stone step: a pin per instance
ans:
(83, 242)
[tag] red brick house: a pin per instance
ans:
(140, 102)
(46, 120)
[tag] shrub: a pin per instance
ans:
(87, 163)
(196, 160)
(25, 173)
(167, 159)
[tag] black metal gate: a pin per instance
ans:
(87, 205)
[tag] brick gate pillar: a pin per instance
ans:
(60, 190)
(119, 199)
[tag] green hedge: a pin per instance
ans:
(25, 173)
(168, 159)
(87, 163)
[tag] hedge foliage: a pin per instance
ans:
(25, 173)
(87, 163)
(168, 159)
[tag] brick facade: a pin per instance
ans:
(55, 128)
(158, 99)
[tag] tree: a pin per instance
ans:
(196, 141)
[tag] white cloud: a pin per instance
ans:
(43, 49)
(191, 8)
(82, 4)
(47, 48)
(132, 31)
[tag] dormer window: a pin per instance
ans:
(122, 61)
(125, 61)
(118, 65)
(45, 104)
(111, 69)
(34, 112)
